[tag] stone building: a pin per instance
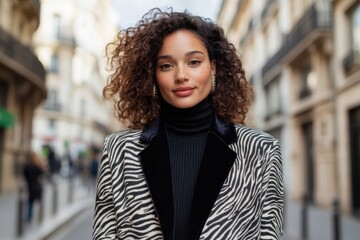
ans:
(22, 86)
(303, 61)
(71, 42)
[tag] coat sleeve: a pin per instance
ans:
(104, 226)
(272, 215)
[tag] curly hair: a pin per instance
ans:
(132, 60)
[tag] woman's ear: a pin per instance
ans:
(213, 67)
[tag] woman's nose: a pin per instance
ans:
(181, 75)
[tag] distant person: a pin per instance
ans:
(82, 167)
(70, 163)
(52, 160)
(187, 167)
(33, 170)
(94, 166)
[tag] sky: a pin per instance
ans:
(128, 12)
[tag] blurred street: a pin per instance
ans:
(63, 201)
(80, 227)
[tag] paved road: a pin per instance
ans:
(80, 228)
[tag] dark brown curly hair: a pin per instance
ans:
(132, 60)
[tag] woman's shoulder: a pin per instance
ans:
(246, 132)
(123, 135)
(251, 140)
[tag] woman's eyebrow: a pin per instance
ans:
(186, 54)
(164, 57)
(194, 52)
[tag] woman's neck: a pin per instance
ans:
(188, 120)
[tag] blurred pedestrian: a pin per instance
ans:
(93, 167)
(187, 168)
(52, 160)
(68, 160)
(33, 170)
(82, 168)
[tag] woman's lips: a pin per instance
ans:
(183, 91)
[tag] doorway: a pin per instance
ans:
(354, 118)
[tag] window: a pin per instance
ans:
(51, 102)
(355, 29)
(273, 98)
(51, 128)
(56, 26)
(51, 124)
(52, 96)
(54, 63)
(308, 81)
(352, 60)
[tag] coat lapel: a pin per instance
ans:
(156, 166)
(217, 161)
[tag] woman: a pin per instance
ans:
(33, 170)
(187, 167)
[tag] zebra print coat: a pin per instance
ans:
(238, 194)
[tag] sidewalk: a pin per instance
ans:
(287, 236)
(61, 202)
(319, 223)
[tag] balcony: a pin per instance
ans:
(267, 9)
(316, 21)
(52, 106)
(65, 40)
(305, 92)
(249, 31)
(241, 4)
(351, 61)
(21, 55)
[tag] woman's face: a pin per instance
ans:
(183, 69)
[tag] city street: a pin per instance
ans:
(78, 228)
(64, 200)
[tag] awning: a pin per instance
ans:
(6, 119)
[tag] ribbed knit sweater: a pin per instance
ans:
(187, 131)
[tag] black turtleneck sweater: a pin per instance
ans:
(187, 131)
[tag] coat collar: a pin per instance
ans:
(217, 161)
(224, 131)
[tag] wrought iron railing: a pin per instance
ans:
(317, 18)
(21, 54)
(304, 92)
(52, 106)
(248, 33)
(351, 60)
(68, 40)
(266, 9)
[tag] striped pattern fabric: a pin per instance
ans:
(249, 205)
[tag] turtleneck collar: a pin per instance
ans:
(189, 120)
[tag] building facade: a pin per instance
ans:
(71, 42)
(22, 86)
(302, 59)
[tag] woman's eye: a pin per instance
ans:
(165, 66)
(194, 62)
